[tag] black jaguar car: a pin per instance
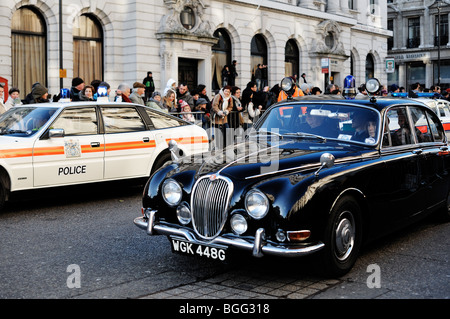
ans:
(315, 175)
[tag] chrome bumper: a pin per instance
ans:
(258, 248)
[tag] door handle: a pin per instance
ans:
(418, 151)
(95, 144)
(146, 139)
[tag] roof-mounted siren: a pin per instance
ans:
(349, 87)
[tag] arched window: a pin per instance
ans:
(291, 59)
(258, 52)
(221, 56)
(370, 67)
(29, 49)
(88, 48)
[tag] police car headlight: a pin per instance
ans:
(238, 224)
(171, 192)
(184, 214)
(256, 204)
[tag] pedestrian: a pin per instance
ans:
(202, 107)
(87, 94)
(330, 87)
(316, 91)
(226, 74)
(102, 85)
(172, 86)
(13, 99)
(123, 93)
(39, 94)
(186, 112)
(233, 73)
(156, 102)
(2, 105)
(247, 103)
(202, 93)
(305, 89)
(182, 93)
(303, 76)
(265, 76)
(222, 105)
(138, 94)
(149, 85)
(169, 102)
(235, 118)
(258, 77)
(77, 86)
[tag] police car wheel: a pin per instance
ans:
(3, 193)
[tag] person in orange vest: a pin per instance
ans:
(297, 92)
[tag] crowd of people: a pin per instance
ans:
(229, 107)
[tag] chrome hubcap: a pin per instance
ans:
(345, 236)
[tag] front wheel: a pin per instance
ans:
(343, 237)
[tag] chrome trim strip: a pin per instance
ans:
(260, 248)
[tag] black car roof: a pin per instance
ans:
(379, 103)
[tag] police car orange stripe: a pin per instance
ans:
(129, 145)
(24, 152)
(189, 140)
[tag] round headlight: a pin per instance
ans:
(287, 84)
(238, 224)
(372, 86)
(171, 192)
(256, 204)
(184, 214)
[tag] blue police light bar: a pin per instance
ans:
(426, 94)
(399, 94)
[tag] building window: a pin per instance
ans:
(413, 33)
(221, 56)
(351, 5)
(370, 67)
(372, 6)
(29, 47)
(390, 27)
(88, 49)
(443, 30)
(258, 52)
(291, 59)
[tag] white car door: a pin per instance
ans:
(75, 158)
(129, 146)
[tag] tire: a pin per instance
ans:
(443, 215)
(343, 237)
(3, 196)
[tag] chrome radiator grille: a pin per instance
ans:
(209, 202)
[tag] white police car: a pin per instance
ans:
(55, 144)
(442, 109)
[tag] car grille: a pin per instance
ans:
(210, 200)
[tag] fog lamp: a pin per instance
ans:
(184, 214)
(280, 236)
(238, 224)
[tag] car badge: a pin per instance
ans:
(212, 177)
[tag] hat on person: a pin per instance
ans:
(183, 103)
(315, 89)
(394, 87)
(304, 87)
(77, 81)
(38, 91)
(156, 93)
(138, 85)
(201, 101)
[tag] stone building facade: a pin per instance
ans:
(191, 40)
(414, 45)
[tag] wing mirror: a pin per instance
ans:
(56, 132)
(326, 160)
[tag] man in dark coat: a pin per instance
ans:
(149, 85)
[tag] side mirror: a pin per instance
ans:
(326, 160)
(56, 133)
